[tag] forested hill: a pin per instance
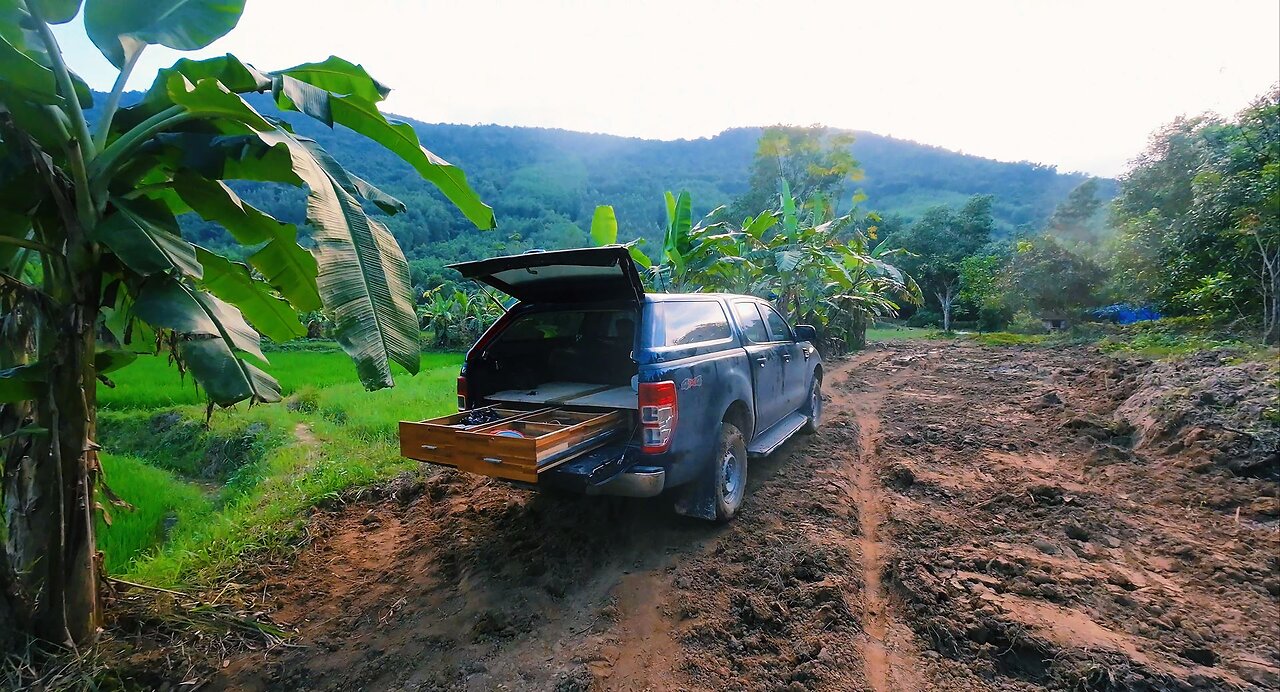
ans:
(544, 184)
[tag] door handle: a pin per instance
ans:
(762, 360)
(786, 357)
(807, 352)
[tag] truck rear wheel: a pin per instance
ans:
(813, 409)
(730, 471)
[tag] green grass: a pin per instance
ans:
(888, 332)
(160, 502)
(376, 415)
(152, 382)
(266, 499)
(1010, 339)
(1157, 343)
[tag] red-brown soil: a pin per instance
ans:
(967, 518)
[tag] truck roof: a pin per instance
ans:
(660, 297)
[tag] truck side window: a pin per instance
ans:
(751, 323)
(692, 321)
(778, 329)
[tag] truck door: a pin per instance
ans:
(766, 361)
(795, 366)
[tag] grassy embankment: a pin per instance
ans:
(205, 495)
(1156, 339)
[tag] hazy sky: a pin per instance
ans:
(1078, 84)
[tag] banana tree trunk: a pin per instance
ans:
(48, 560)
(858, 331)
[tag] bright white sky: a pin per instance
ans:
(1079, 84)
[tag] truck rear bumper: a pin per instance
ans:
(614, 469)
(637, 481)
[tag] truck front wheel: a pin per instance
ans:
(730, 471)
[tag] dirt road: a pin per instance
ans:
(967, 518)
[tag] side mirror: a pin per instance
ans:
(805, 332)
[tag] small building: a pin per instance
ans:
(1054, 323)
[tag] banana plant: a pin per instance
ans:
(91, 203)
(604, 231)
(456, 318)
(816, 269)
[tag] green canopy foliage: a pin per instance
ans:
(816, 270)
(939, 242)
(815, 162)
(1198, 218)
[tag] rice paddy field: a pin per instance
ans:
(200, 492)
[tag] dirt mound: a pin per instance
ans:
(1211, 409)
(1059, 548)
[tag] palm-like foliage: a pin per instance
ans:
(93, 264)
(816, 270)
(457, 319)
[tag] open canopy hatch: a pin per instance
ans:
(561, 276)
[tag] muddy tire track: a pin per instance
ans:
(889, 654)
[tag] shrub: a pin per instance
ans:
(924, 318)
(993, 318)
(1025, 323)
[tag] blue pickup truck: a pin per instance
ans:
(703, 380)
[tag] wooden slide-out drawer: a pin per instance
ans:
(550, 436)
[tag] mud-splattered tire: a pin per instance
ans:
(730, 471)
(813, 409)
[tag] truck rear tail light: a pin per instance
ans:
(658, 416)
(462, 393)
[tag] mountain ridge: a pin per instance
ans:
(544, 183)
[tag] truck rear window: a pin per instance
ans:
(683, 322)
(561, 324)
(544, 325)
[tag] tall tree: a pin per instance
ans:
(1046, 278)
(1076, 221)
(1237, 194)
(938, 244)
(1197, 218)
(94, 266)
(816, 163)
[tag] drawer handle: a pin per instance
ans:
(492, 460)
(430, 447)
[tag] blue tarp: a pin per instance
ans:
(1121, 313)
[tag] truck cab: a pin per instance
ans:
(702, 380)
